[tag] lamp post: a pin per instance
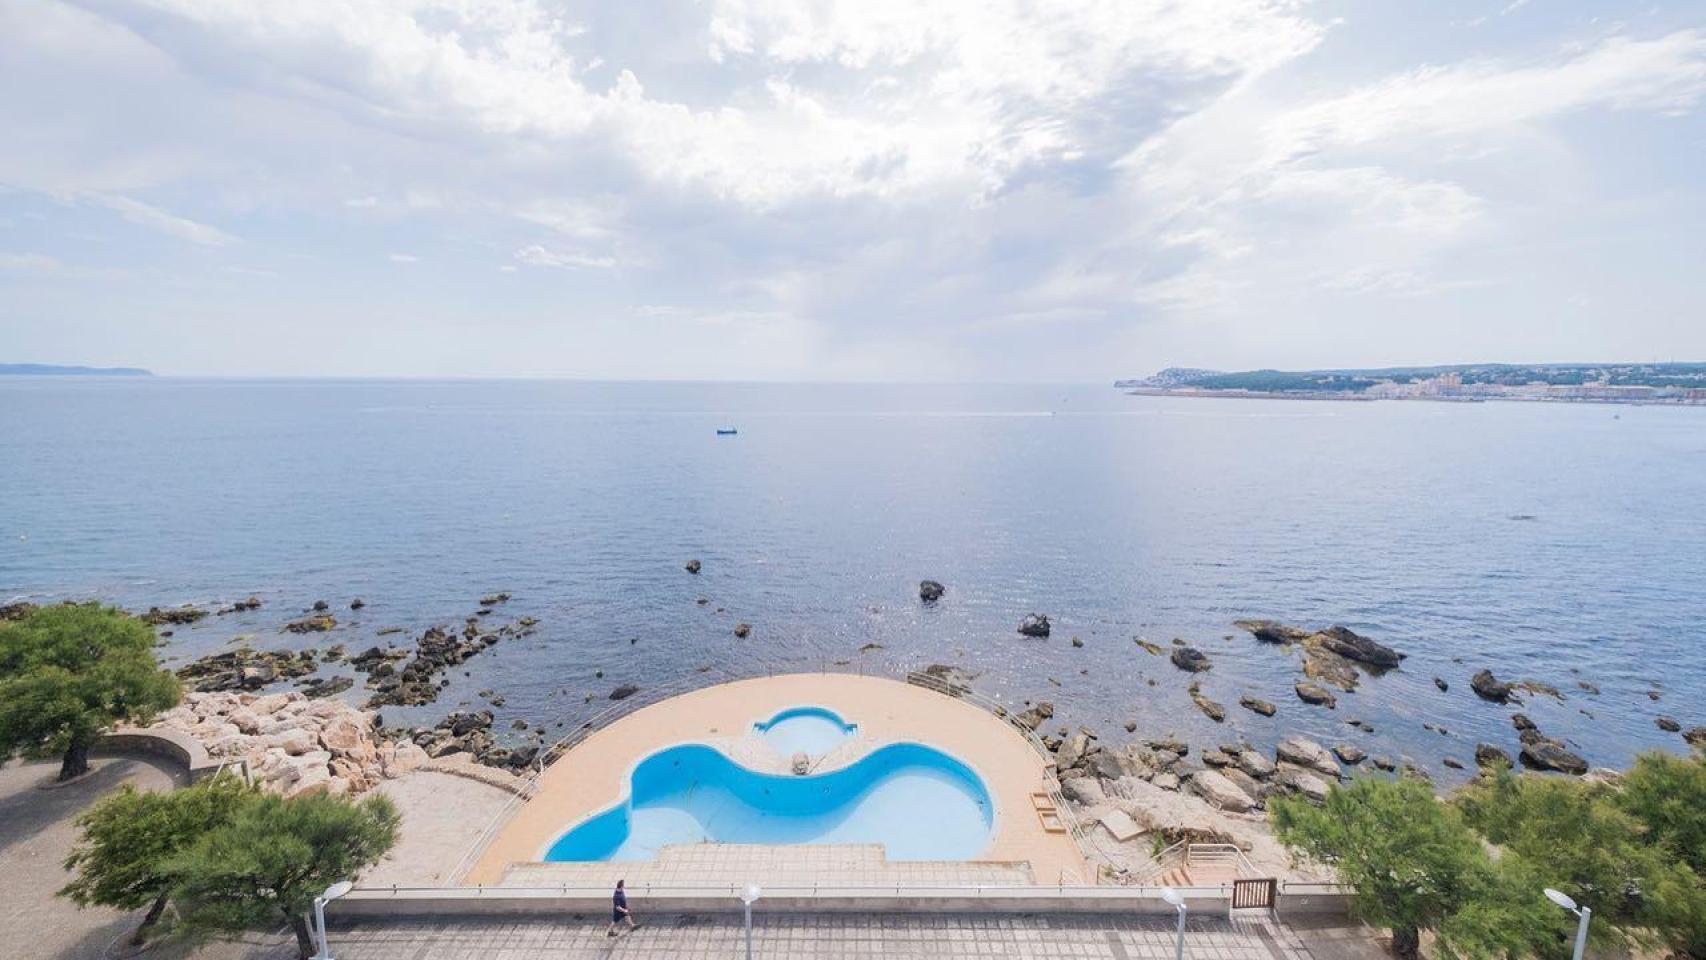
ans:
(1172, 896)
(1563, 900)
(333, 892)
(748, 897)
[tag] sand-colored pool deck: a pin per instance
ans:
(593, 776)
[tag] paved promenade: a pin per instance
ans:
(841, 937)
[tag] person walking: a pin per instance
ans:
(619, 912)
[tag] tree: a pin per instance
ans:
(1668, 794)
(277, 855)
(68, 672)
(1413, 863)
(130, 837)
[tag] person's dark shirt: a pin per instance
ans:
(619, 899)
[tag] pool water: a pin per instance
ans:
(813, 731)
(918, 802)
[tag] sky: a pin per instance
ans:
(865, 190)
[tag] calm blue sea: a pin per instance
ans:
(1549, 542)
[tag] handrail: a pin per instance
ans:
(641, 888)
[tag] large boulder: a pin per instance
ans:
(1085, 791)
(1190, 659)
(1255, 764)
(1544, 753)
(1350, 753)
(1314, 693)
(1354, 646)
(1487, 755)
(1258, 705)
(1221, 792)
(1072, 751)
(930, 591)
(1302, 782)
(1308, 754)
(1034, 625)
(1272, 631)
(1489, 687)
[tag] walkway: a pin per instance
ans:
(841, 937)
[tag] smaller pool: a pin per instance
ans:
(813, 731)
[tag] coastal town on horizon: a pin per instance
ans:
(1629, 383)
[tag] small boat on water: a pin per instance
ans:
(726, 431)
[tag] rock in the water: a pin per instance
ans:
(1305, 752)
(1169, 744)
(1521, 722)
(1033, 717)
(1324, 665)
(1271, 631)
(357, 603)
(743, 630)
(1262, 707)
(946, 678)
(1453, 763)
(1314, 693)
(1349, 753)
(1190, 659)
(1220, 792)
(321, 606)
(692, 566)
(930, 591)
(1442, 685)
(176, 615)
(1034, 625)
(1303, 782)
(315, 624)
(1488, 687)
(1210, 709)
(1668, 725)
(1354, 646)
(1487, 755)
(1384, 763)
(624, 691)
(1544, 753)
(1696, 737)
(491, 599)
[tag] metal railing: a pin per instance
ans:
(1219, 855)
(646, 888)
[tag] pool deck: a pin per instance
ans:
(593, 776)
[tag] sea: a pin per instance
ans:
(1561, 544)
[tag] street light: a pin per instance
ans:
(748, 897)
(1563, 900)
(333, 892)
(1172, 896)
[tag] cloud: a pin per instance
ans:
(538, 256)
(404, 258)
(160, 220)
(30, 263)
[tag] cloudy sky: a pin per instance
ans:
(848, 189)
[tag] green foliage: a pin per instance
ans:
(275, 856)
(1414, 863)
(1667, 794)
(68, 672)
(130, 836)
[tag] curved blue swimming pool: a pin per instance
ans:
(813, 731)
(918, 802)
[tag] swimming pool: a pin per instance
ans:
(918, 802)
(813, 731)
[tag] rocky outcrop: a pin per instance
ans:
(1034, 625)
(1313, 693)
(692, 566)
(1306, 753)
(1190, 659)
(1696, 737)
(1210, 709)
(420, 678)
(1489, 687)
(1487, 755)
(1257, 705)
(177, 616)
(945, 678)
(1349, 753)
(743, 630)
(293, 745)
(319, 623)
(1302, 782)
(1272, 631)
(1351, 645)
(1034, 716)
(246, 669)
(1545, 753)
(624, 691)
(1220, 791)
(930, 591)
(1668, 724)
(13, 612)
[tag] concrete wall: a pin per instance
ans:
(171, 744)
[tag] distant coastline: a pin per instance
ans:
(1635, 383)
(59, 370)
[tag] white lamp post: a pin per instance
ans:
(1563, 900)
(1172, 896)
(748, 897)
(333, 892)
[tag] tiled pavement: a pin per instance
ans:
(820, 937)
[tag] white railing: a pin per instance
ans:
(1219, 855)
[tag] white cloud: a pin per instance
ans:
(160, 220)
(30, 263)
(538, 256)
(404, 258)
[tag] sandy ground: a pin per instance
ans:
(443, 815)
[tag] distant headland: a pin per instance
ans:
(1672, 383)
(57, 370)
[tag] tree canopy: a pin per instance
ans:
(68, 672)
(275, 856)
(130, 836)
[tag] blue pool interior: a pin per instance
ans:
(813, 731)
(918, 802)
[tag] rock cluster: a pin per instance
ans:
(470, 732)
(1540, 752)
(419, 679)
(1333, 656)
(176, 615)
(318, 623)
(293, 745)
(246, 669)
